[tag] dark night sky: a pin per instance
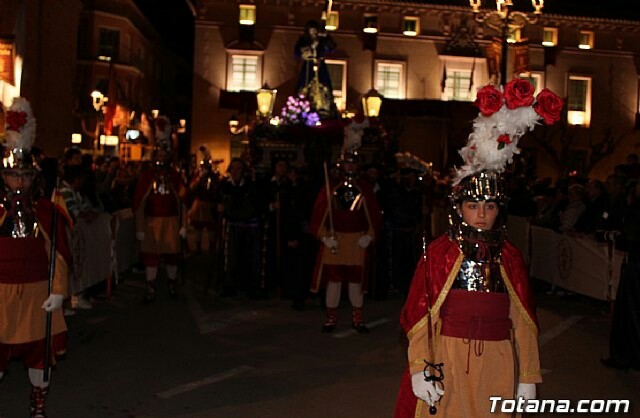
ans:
(174, 21)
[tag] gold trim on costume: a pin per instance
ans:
(417, 362)
(443, 294)
(419, 406)
(528, 373)
(447, 285)
(417, 327)
(516, 300)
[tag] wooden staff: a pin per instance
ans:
(52, 272)
(278, 241)
(327, 186)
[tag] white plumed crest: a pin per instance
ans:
(23, 134)
(408, 160)
(505, 116)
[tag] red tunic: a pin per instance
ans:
(157, 215)
(348, 224)
(24, 283)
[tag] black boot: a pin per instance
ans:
(38, 400)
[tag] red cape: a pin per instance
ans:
(432, 277)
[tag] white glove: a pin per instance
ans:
(183, 232)
(427, 391)
(53, 302)
(527, 391)
(140, 236)
(364, 241)
(330, 242)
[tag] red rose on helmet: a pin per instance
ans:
(503, 140)
(488, 100)
(549, 106)
(517, 93)
(16, 120)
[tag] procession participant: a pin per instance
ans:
(204, 187)
(26, 226)
(160, 213)
(277, 220)
(241, 204)
(470, 316)
(346, 218)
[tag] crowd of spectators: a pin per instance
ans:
(279, 203)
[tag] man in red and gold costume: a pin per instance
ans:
(26, 227)
(346, 218)
(204, 187)
(470, 315)
(161, 216)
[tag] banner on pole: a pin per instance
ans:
(7, 57)
(493, 52)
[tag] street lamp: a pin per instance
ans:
(266, 98)
(371, 103)
(505, 21)
(99, 99)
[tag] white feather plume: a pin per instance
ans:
(482, 149)
(25, 136)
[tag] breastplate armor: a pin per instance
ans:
(347, 195)
(479, 277)
(160, 185)
(20, 221)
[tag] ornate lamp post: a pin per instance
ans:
(505, 21)
(99, 101)
(266, 98)
(371, 103)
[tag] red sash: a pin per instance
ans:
(23, 260)
(476, 315)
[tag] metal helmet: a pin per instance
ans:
(19, 171)
(479, 244)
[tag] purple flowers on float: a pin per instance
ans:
(297, 110)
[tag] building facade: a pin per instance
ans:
(120, 55)
(42, 38)
(424, 53)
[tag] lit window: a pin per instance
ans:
(247, 14)
(338, 75)
(243, 73)
(458, 85)
(579, 101)
(514, 36)
(410, 26)
(109, 44)
(550, 37)
(333, 21)
(586, 39)
(390, 79)
(370, 24)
